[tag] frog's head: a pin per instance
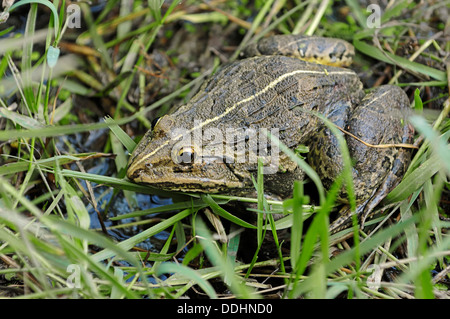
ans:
(168, 157)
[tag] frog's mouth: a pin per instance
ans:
(188, 181)
(196, 187)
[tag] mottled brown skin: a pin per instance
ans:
(281, 107)
(336, 52)
(274, 92)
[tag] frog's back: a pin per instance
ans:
(272, 92)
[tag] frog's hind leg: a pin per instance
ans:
(379, 119)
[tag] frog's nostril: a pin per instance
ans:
(135, 174)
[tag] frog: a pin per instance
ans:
(212, 144)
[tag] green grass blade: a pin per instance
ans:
(132, 241)
(188, 273)
(194, 204)
(396, 60)
(121, 183)
(220, 261)
(260, 194)
(347, 257)
(56, 130)
(357, 11)
(297, 224)
(414, 180)
(123, 137)
(439, 145)
(96, 38)
(27, 51)
(223, 213)
(45, 3)
(303, 165)
(23, 120)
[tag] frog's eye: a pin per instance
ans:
(186, 155)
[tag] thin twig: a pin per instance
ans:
(404, 145)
